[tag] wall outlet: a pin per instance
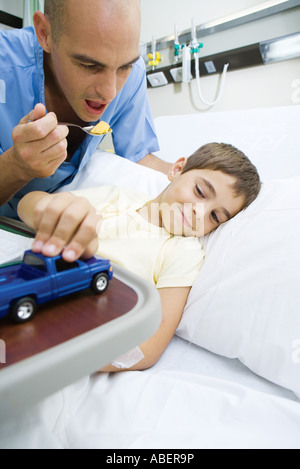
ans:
(157, 79)
(210, 67)
(176, 74)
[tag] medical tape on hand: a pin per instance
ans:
(129, 359)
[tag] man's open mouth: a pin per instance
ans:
(96, 107)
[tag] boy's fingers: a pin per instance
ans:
(67, 223)
(46, 219)
(74, 251)
(92, 249)
(85, 241)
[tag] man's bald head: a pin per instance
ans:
(58, 11)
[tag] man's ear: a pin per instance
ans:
(43, 30)
(177, 168)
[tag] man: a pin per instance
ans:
(79, 64)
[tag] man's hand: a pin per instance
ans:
(39, 144)
(63, 223)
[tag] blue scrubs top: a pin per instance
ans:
(22, 87)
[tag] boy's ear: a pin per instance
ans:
(177, 168)
(43, 30)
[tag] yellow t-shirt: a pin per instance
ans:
(149, 251)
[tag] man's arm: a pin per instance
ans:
(39, 148)
(173, 302)
(153, 162)
(11, 180)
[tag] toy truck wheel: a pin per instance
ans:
(100, 283)
(23, 310)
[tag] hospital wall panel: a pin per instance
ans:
(271, 85)
(276, 84)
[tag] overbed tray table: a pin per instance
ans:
(72, 337)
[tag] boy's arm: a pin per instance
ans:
(173, 301)
(63, 223)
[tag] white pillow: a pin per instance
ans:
(270, 136)
(245, 302)
(108, 169)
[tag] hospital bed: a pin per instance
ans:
(231, 376)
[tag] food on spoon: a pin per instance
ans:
(101, 129)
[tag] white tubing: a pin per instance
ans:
(222, 85)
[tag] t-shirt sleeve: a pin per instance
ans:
(179, 262)
(103, 198)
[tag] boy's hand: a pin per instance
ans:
(39, 144)
(63, 223)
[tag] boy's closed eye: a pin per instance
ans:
(215, 218)
(213, 214)
(199, 191)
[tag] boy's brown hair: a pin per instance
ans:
(229, 160)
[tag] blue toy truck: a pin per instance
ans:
(40, 279)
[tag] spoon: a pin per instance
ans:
(87, 130)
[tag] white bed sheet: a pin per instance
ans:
(191, 398)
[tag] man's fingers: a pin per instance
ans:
(40, 146)
(50, 159)
(37, 113)
(31, 131)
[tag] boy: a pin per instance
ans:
(158, 239)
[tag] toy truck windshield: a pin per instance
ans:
(35, 261)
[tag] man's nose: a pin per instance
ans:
(106, 86)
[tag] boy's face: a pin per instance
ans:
(197, 202)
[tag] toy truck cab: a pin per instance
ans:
(40, 279)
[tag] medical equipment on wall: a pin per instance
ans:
(154, 57)
(176, 43)
(194, 49)
(186, 64)
(188, 51)
(235, 46)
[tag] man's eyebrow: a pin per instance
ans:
(89, 60)
(131, 62)
(211, 188)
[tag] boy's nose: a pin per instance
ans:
(199, 210)
(198, 216)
